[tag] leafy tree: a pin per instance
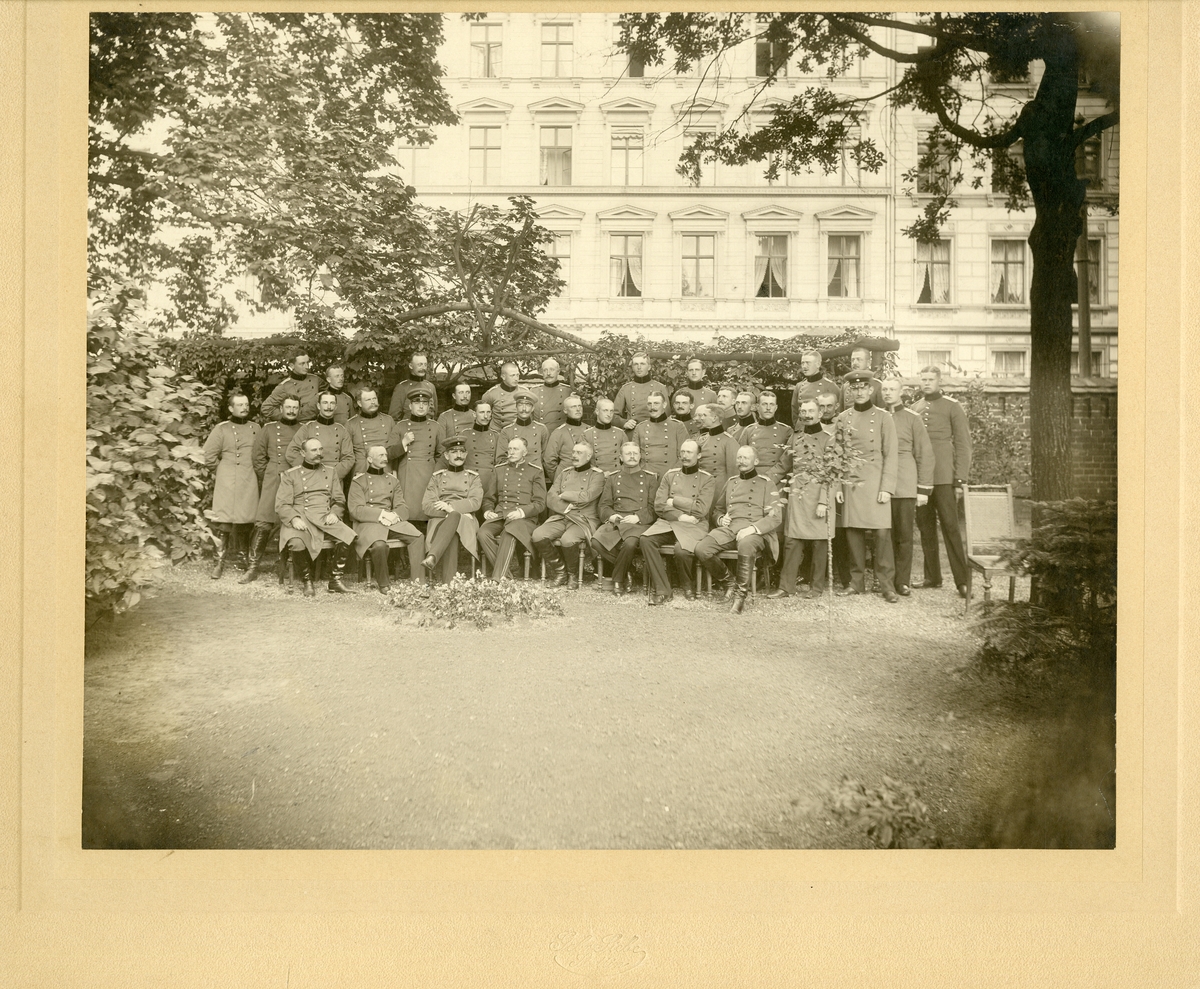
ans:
(953, 75)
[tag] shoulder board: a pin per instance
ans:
(701, 470)
(910, 411)
(610, 473)
(597, 470)
(647, 470)
(673, 470)
(949, 399)
(467, 470)
(442, 471)
(358, 475)
(292, 469)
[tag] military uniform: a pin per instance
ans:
(606, 445)
(876, 395)
(740, 423)
(627, 491)
(481, 443)
(682, 491)
(229, 448)
(659, 442)
(871, 434)
(365, 432)
(311, 493)
(533, 433)
(559, 446)
(269, 459)
(946, 423)
(415, 465)
(336, 447)
(729, 417)
(372, 493)
(453, 422)
(750, 500)
(914, 476)
(344, 406)
(718, 456)
(547, 404)
(573, 501)
(304, 389)
(503, 401)
(630, 402)
(701, 394)
(802, 527)
(690, 424)
(808, 388)
(510, 488)
(463, 491)
(770, 441)
(398, 406)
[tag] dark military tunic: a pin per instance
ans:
(680, 493)
(809, 388)
(311, 493)
(627, 491)
(463, 491)
(770, 442)
(559, 446)
(370, 495)
(946, 423)
(718, 456)
(336, 448)
(533, 433)
(872, 435)
(229, 448)
(511, 487)
(606, 445)
(659, 443)
(366, 432)
(631, 400)
(547, 404)
(269, 457)
(304, 390)
(414, 466)
(398, 406)
(915, 458)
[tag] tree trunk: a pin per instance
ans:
(1057, 194)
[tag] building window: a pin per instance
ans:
(485, 155)
(848, 171)
(1093, 272)
(1087, 163)
(1008, 363)
(769, 57)
(933, 273)
(637, 68)
(485, 51)
(1099, 366)
(627, 149)
(556, 156)
(625, 265)
(1008, 272)
(698, 266)
(1016, 157)
(933, 173)
(933, 358)
(557, 49)
(708, 170)
(560, 247)
(770, 267)
(843, 265)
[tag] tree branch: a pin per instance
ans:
(1095, 126)
(867, 41)
(510, 314)
(974, 138)
(870, 19)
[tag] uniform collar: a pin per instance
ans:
(308, 466)
(239, 420)
(813, 377)
(574, 422)
(368, 415)
(413, 417)
(767, 422)
(587, 466)
(691, 470)
(604, 425)
(376, 470)
(325, 422)
(480, 427)
(747, 475)
(455, 470)
(813, 427)
(716, 430)
(863, 408)
(642, 380)
(659, 418)
(934, 397)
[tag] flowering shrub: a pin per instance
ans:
(475, 600)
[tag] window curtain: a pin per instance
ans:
(999, 287)
(635, 272)
(779, 271)
(940, 271)
(760, 271)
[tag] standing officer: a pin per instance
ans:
(412, 445)
(532, 432)
(809, 521)
(743, 407)
(726, 398)
(626, 511)
(502, 395)
(697, 387)
(867, 491)
(368, 428)
(860, 360)
(300, 385)
(458, 419)
(451, 500)
(769, 437)
(268, 460)
(811, 384)
(828, 406)
(718, 450)
(630, 403)
(946, 423)
(682, 503)
(606, 438)
(481, 442)
(418, 372)
(335, 440)
(229, 448)
(514, 498)
(379, 513)
(564, 438)
(684, 412)
(309, 504)
(914, 479)
(549, 396)
(749, 511)
(657, 436)
(573, 503)
(335, 381)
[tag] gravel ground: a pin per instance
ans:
(227, 716)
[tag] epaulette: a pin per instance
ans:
(597, 470)
(909, 410)
(442, 471)
(358, 475)
(467, 470)
(609, 473)
(290, 469)
(672, 470)
(701, 470)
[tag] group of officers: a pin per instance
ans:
(703, 471)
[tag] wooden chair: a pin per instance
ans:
(365, 563)
(697, 577)
(989, 531)
(584, 549)
(483, 563)
(731, 555)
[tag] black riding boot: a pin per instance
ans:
(340, 552)
(379, 564)
(556, 571)
(304, 571)
(222, 536)
(745, 570)
(258, 545)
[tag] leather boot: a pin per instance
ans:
(242, 535)
(283, 570)
(571, 565)
(745, 568)
(379, 563)
(340, 552)
(730, 583)
(628, 583)
(258, 545)
(222, 536)
(556, 572)
(304, 572)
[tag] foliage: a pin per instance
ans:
(476, 601)
(892, 814)
(999, 453)
(146, 473)
(1072, 560)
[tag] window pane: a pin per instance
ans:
(485, 50)
(1008, 272)
(937, 358)
(625, 265)
(637, 68)
(843, 269)
(932, 178)
(1008, 363)
(933, 273)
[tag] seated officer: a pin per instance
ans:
(377, 509)
(452, 498)
(573, 500)
(626, 511)
(514, 498)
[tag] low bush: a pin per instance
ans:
(475, 601)
(892, 814)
